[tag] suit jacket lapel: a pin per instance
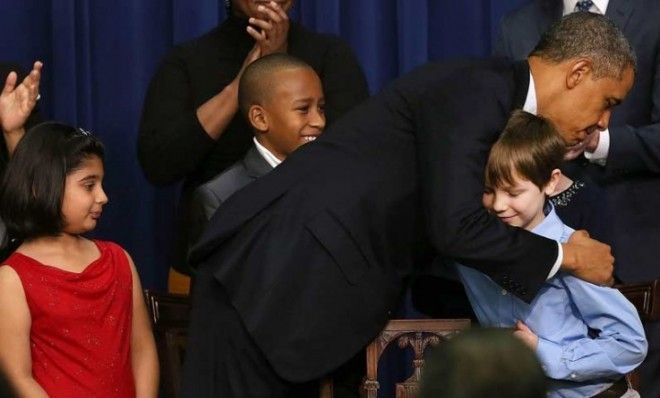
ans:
(619, 12)
(255, 164)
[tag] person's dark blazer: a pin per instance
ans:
(209, 196)
(631, 176)
(312, 254)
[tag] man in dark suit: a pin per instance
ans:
(282, 99)
(625, 159)
(302, 268)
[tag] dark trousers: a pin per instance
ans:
(222, 360)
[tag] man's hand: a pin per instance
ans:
(525, 334)
(271, 30)
(17, 102)
(588, 259)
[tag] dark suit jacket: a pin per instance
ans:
(312, 254)
(209, 196)
(631, 177)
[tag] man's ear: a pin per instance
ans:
(551, 186)
(258, 118)
(578, 71)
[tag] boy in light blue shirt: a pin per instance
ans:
(587, 337)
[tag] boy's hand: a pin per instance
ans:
(272, 30)
(525, 334)
(588, 259)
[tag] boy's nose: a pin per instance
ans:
(499, 203)
(317, 120)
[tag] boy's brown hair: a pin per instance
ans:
(529, 147)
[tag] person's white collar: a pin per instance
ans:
(600, 6)
(530, 101)
(266, 154)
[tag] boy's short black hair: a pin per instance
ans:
(530, 147)
(257, 79)
(32, 187)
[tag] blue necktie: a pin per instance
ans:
(583, 5)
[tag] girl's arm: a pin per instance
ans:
(143, 347)
(15, 355)
(619, 347)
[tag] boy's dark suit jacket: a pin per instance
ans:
(209, 196)
(631, 176)
(312, 254)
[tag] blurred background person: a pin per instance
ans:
(482, 363)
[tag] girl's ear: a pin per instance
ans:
(258, 118)
(551, 186)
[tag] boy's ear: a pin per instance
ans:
(258, 118)
(551, 186)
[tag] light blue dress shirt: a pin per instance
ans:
(561, 315)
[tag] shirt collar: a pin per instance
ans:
(601, 6)
(530, 100)
(266, 154)
(552, 227)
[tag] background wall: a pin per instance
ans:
(99, 56)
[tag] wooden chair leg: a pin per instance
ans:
(326, 389)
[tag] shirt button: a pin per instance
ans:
(504, 292)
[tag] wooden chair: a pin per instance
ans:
(170, 314)
(646, 299)
(417, 334)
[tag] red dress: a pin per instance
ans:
(81, 324)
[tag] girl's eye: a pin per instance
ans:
(303, 110)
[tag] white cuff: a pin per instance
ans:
(599, 155)
(557, 265)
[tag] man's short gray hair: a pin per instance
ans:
(588, 35)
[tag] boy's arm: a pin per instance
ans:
(619, 347)
(15, 355)
(144, 358)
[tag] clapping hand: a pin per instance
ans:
(271, 30)
(18, 101)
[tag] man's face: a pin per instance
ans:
(294, 111)
(248, 8)
(519, 205)
(587, 107)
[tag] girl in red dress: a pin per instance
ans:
(73, 322)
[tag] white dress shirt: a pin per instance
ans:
(266, 154)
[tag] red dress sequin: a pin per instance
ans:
(81, 324)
